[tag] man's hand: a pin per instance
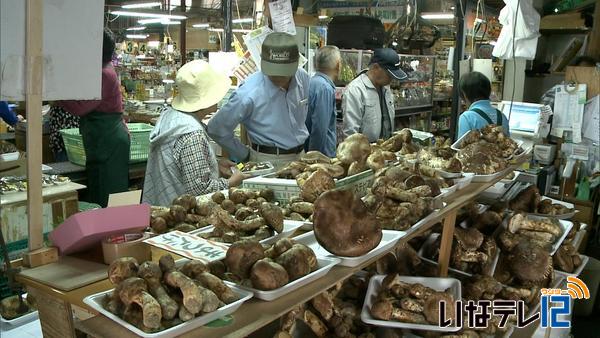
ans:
(225, 168)
(236, 178)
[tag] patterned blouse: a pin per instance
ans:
(60, 119)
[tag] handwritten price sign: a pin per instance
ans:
(189, 246)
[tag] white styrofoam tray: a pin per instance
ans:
(95, 302)
(388, 240)
(22, 319)
(491, 177)
(431, 239)
(438, 284)
(325, 264)
(289, 227)
(457, 145)
(261, 172)
(462, 182)
(577, 272)
(563, 216)
(565, 226)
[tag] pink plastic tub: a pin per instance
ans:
(87, 228)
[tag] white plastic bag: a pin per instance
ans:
(526, 32)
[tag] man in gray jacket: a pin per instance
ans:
(368, 103)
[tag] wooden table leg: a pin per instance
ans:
(446, 243)
(56, 317)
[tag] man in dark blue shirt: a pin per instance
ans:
(321, 118)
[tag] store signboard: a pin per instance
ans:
(71, 71)
(189, 246)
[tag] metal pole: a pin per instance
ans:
(227, 26)
(458, 56)
(182, 36)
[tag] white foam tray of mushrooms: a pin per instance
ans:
(162, 300)
(472, 252)
(487, 152)
(547, 233)
(531, 202)
(273, 271)
(243, 214)
(410, 302)
(388, 240)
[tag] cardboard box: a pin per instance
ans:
(285, 189)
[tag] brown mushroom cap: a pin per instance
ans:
(242, 255)
(268, 275)
(344, 226)
(121, 269)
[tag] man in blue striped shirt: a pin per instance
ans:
(321, 102)
(271, 104)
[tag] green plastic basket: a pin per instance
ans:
(140, 143)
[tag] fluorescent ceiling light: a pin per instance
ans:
(139, 28)
(244, 20)
(161, 21)
(220, 30)
(149, 15)
(149, 21)
(201, 25)
(437, 16)
(136, 36)
(322, 17)
(142, 5)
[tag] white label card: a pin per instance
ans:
(189, 246)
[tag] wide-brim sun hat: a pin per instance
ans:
(199, 86)
(279, 55)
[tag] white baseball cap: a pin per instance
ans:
(199, 86)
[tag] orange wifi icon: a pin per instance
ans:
(577, 288)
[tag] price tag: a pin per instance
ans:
(580, 152)
(189, 246)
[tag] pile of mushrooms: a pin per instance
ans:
(410, 303)
(156, 296)
(182, 215)
(400, 198)
(249, 263)
(333, 313)
(242, 215)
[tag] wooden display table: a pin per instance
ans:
(254, 314)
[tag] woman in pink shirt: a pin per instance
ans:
(105, 136)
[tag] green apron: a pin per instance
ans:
(106, 142)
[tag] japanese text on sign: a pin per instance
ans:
(189, 246)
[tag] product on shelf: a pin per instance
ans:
(156, 296)
(344, 226)
(472, 252)
(10, 307)
(438, 156)
(335, 312)
(410, 303)
(13, 184)
(399, 198)
(529, 200)
(523, 263)
(487, 151)
(542, 232)
(243, 214)
(566, 258)
(182, 215)
(249, 263)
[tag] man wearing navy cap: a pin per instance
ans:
(368, 103)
